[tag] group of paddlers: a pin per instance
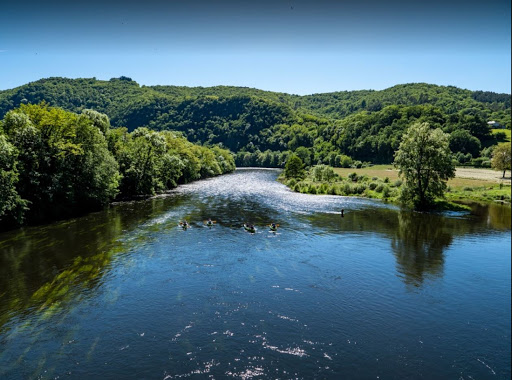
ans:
(247, 226)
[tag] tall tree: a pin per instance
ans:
(501, 158)
(294, 167)
(11, 204)
(425, 162)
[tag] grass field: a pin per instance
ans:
(506, 131)
(470, 184)
(465, 177)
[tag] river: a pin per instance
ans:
(377, 294)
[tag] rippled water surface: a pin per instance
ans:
(380, 293)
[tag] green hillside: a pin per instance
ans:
(365, 125)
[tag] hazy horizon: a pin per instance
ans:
(297, 47)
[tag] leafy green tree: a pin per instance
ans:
(11, 204)
(425, 162)
(63, 162)
(294, 167)
(501, 158)
(462, 141)
(100, 120)
(140, 160)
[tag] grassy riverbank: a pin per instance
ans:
(382, 182)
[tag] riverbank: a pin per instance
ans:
(383, 182)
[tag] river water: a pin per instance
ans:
(378, 294)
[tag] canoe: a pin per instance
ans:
(249, 228)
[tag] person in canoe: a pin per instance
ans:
(249, 227)
(184, 225)
(209, 222)
(273, 227)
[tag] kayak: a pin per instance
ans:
(249, 228)
(184, 225)
(273, 229)
(209, 224)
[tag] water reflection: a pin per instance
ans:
(419, 244)
(43, 267)
(200, 276)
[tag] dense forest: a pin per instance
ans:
(56, 163)
(262, 128)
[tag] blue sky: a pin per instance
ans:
(300, 47)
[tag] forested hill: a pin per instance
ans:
(114, 96)
(365, 125)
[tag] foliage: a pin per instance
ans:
(294, 167)
(55, 163)
(323, 173)
(501, 158)
(425, 162)
(462, 141)
(11, 203)
(332, 129)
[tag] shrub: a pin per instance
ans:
(397, 183)
(500, 136)
(345, 161)
(353, 177)
(385, 192)
(359, 188)
(296, 188)
(373, 185)
(323, 188)
(347, 189)
(386, 180)
(379, 188)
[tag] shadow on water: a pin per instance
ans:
(42, 268)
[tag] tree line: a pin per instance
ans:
(264, 127)
(55, 163)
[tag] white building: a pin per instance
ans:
(494, 124)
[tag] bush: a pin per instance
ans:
(353, 177)
(347, 189)
(385, 192)
(500, 136)
(297, 188)
(373, 185)
(375, 178)
(292, 182)
(359, 188)
(481, 162)
(312, 189)
(379, 188)
(397, 183)
(345, 161)
(357, 164)
(386, 180)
